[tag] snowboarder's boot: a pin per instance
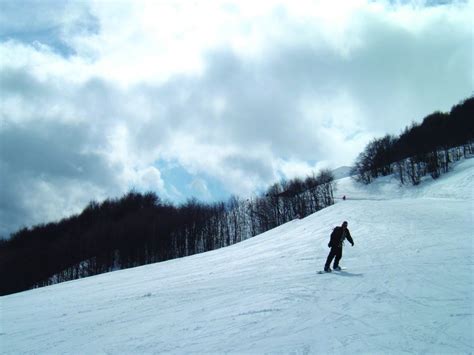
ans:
(337, 268)
(327, 269)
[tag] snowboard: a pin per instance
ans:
(324, 272)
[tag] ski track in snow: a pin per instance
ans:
(408, 287)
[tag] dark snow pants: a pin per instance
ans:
(335, 252)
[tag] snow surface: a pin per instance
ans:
(408, 287)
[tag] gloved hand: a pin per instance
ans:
(352, 243)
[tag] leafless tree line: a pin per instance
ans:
(138, 229)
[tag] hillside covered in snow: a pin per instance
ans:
(407, 287)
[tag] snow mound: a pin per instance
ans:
(408, 287)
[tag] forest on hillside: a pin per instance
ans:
(422, 149)
(138, 229)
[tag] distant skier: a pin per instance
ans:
(337, 240)
(344, 197)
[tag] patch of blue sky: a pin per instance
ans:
(426, 2)
(43, 23)
(182, 185)
(48, 37)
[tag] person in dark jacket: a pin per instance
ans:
(338, 235)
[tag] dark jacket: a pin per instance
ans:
(336, 237)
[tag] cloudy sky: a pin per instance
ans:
(209, 98)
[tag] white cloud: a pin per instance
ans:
(293, 168)
(49, 200)
(200, 190)
(149, 179)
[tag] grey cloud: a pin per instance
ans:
(14, 82)
(93, 101)
(12, 211)
(45, 149)
(399, 76)
(51, 150)
(252, 167)
(52, 153)
(261, 105)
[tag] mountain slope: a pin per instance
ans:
(342, 172)
(408, 288)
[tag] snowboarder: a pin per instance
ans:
(337, 240)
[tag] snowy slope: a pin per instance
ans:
(342, 172)
(456, 185)
(408, 288)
